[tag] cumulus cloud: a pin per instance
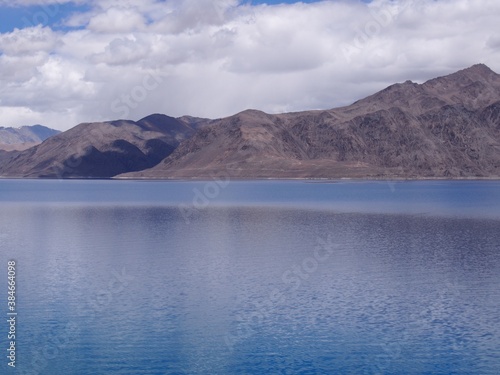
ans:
(212, 58)
(117, 20)
(28, 41)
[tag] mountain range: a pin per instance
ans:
(24, 137)
(448, 127)
(101, 149)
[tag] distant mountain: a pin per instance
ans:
(25, 135)
(448, 127)
(100, 150)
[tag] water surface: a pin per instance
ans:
(259, 277)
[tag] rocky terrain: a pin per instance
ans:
(448, 127)
(101, 150)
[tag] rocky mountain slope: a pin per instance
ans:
(446, 127)
(24, 137)
(99, 150)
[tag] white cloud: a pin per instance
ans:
(27, 41)
(18, 69)
(122, 51)
(117, 20)
(214, 58)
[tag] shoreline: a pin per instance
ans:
(214, 178)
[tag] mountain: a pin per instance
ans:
(5, 155)
(101, 150)
(446, 127)
(24, 137)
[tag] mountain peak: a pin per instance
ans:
(475, 73)
(157, 121)
(481, 69)
(26, 134)
(156, 117)
(253, 112)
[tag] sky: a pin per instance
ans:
(66, 62)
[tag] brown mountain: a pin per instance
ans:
(100, 150)
(446, 127)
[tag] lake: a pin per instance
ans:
(252, 277)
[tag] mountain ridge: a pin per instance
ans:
(446, 127)
(100, 150)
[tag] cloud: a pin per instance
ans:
(27, 41)
(117, 20)
(215, 58)
(122, 51)
(493, 42)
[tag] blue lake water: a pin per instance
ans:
(255, 277)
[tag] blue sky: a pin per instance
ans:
(63, 64)
(26, 16)
(53, 15)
